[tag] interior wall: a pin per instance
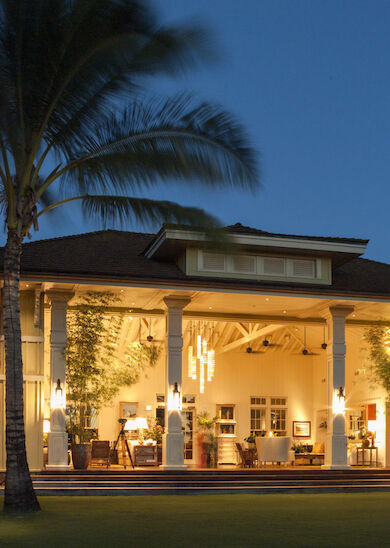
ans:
(238, 376)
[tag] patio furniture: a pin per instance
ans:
(318, 454)
(363, 462)
(247, 456)
(273, 449)
(100, 453)
(145, 455)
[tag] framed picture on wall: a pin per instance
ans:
(127, 410)
(301, 429)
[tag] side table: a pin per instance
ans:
(360, 451)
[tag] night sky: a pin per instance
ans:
(310, 80)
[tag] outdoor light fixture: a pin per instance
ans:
(339, 401)
(58, 400)
(174, 402)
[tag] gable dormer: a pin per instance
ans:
(252, 254)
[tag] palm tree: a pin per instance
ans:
(76, 124)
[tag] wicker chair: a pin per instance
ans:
(245, 456)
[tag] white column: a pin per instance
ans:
(173, 439)
(336, 440)
(57, 437)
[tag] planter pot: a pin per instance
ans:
(366, 443)
(81, 455)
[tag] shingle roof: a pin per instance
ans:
(238, 228)
(118, 255)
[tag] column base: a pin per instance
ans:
(173, 467)
(173, 451)
(57, 443)
(336, 467)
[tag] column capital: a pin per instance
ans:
(176, 301)
(58, 295)
(341, 311)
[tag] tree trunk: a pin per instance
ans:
(19, 492)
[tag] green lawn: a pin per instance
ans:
(199, 521)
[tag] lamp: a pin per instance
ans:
(174, 399)
(142, 423)
(339, 401)
(131, 424)
(58, 400)
(58, 388)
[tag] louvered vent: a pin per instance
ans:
(246, 264)
(273, 266)
(303, 268)
(215, 262)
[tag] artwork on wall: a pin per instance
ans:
(128, 410)
(301, 429)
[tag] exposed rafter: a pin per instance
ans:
(248, 338)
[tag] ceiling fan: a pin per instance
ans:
(249, 350)
(305, 351)
(268, 342)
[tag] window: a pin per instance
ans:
(303, 268)
(260, 266)
(213, 262)
(258, 401)
(273, 266)
(227, 412)
(258, 420)
(244, 263)
(279, 416)
(268, 414)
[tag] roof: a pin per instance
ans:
(114, 255)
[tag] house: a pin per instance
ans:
(266, 331)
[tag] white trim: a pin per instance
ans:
(28, 338)
(37, 378)
(256, 240)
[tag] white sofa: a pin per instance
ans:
(274, 449)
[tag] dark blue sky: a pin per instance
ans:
(311, 82)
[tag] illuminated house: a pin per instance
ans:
(267, 333)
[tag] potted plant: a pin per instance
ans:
(155, 432)
(207, 440)
(95, 370)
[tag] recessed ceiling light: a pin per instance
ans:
(27, 285)
(210, 307)
(121, 290)
(267, 299)
(284, 311)
(133, 303)
(353, 315)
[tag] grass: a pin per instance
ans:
(204, 521)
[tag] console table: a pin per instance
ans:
(360, 451)
(145, 455)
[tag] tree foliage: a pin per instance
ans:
(378, 338)
(95, 370)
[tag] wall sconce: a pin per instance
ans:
(174, 403)
(339, 401)
(58, 400)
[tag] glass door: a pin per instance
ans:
(188, 425)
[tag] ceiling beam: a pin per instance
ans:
(237, 317)
(250, 337)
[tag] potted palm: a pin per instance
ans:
(207, 440)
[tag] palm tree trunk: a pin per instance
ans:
(19, 492)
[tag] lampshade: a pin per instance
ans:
(142, 423)
(131, 424)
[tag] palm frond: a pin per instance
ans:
(125, 210)
(163, 139)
